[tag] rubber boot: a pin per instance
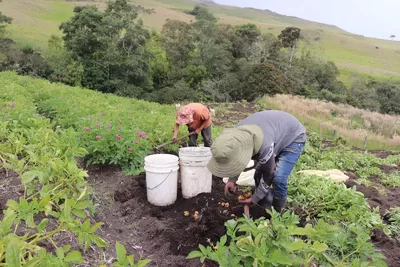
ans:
(279, 204)
(266, 202)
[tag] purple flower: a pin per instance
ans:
(98, 137)
(87, 129)
(118, 137)
(130, 149)
(120, 122)
(12, 105)
(102, 113)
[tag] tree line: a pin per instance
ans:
(111, 51)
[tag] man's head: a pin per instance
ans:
(231, 152)
(185, 115)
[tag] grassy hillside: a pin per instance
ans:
(36, 20)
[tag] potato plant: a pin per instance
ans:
(280, 242)
(55, 195)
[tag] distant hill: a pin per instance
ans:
(35, 20)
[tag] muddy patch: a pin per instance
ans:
(163, 234)
(10, 188)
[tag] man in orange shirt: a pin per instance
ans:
(197, 117)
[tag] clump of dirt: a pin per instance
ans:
(375, 199)
(10, 188)
(378, 153)
(389, 169)
(233, 114)
(389, 247)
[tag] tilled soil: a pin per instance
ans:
(163, 234)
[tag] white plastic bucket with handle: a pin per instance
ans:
(161, 179)
(195, 176)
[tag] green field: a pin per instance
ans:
(35, 20)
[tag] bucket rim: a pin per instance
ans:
(168, 158)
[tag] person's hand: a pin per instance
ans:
(174, 139)
(229, 188)
(198, 131)
(247, 201)
(246, 211)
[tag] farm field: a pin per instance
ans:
(380, 130)
(35, 21)
(72, 190)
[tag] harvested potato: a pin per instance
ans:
(186, 213)
(225, 212)
(227, 205)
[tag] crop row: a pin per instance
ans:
(55, 198)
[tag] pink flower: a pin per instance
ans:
(118, 137)
(87, 129)
(141, 134)
(137, 142)
(98, 137)
(130, 149)
(120, 122)
(98, 124)
(102, 113)
(119, 129)
(12, 105)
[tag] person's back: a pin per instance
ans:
(280, 128)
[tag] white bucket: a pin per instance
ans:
(161, 178)
(195, 176)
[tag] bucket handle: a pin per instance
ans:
(161, 182)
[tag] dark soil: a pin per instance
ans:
(163, 234)
(378, 153)
(375, 199)
(389, 247)
(232, 114)
(10, 188)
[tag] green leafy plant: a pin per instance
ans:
(124, 260)
(280, 242)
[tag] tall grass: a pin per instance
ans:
(381, 130)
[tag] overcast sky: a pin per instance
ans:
(371, 18)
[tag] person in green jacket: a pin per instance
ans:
(274, 140)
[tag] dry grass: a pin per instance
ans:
(348, 121)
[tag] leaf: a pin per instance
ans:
(60, 253)
(143, 263)
(42, 225)
(121, 251)
(223, 241)
(79, 213)
(99, 242)
(13, 254)
(74, 257)
(28, 176)
(298, 245)
(44, 201)
(81, 205)
(319, 247)
(95, 227)
(13, 204)
(194, 254)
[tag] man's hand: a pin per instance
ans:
(229, 188)
(174, 139)
(247, 201)
(198, 131)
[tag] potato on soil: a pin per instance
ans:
(186, 213)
